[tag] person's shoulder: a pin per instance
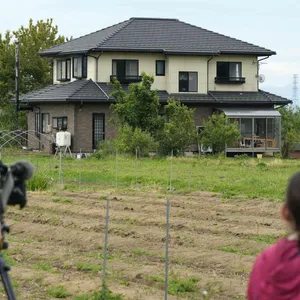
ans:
(272, 251)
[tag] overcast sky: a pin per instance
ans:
(270, 24)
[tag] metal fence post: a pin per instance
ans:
(136, 168)
(60, 167)
(116, 168)
(171, 170)
(167, 250)
(189, 170)
(105, 250)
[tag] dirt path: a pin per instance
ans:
(58, 240)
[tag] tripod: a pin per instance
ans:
(4, 268)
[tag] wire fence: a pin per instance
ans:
(117, 170)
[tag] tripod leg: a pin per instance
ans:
(4, 268)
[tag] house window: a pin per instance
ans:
(63, 70)
(60, 123)
(80, 67)
(229, 72)
(37, 124)
(98, 129)
(45, 122)
(188, 81)
(125, 71)
(160, 68)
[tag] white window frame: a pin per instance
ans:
(63, 69)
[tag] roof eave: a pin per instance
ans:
(257, 53)
(61, 53)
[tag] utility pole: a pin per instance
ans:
(17, 83)
(295, 89)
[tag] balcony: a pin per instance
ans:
(230, 80)
(126, 78)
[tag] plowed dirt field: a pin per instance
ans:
(58, 240)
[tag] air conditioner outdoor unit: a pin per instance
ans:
(63, 139)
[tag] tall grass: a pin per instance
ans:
(254, 178)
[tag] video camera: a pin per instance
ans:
(12, 192)
(12, 184)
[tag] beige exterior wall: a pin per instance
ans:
(174, 64)
(146, 64)
(91, 67)
(178, 63)
(249, 71)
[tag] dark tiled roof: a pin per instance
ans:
(79, 90)
(168, 36)
(90, 91)
(260, 97)
(86, 42)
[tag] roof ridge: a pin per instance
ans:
(85, 35)
(266, 95)
(149, 18)
(227, 36)
(127, 22)
(101, 89)
(81, 87)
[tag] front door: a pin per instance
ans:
(98, 129)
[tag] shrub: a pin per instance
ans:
(179, 130)
(219, 132)
(130, 139)
(104, 149)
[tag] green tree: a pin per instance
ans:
(139, 107)
(219, 132)
(129, 139)
(34, 70)
(179, 130)
(290, 129)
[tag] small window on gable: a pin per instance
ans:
(63, 70)
(160, 68)
(80, 67)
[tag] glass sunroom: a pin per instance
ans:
(260, 129)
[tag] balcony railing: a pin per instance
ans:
(226, 80)
(126, 78)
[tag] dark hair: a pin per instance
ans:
(293, 201)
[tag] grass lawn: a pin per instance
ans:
(251, 177)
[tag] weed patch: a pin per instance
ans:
(58, 291)
(88, 267)
(108, 295)
(238, 251)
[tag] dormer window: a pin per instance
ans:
(80, 67)
(229, 72)
(63, 70)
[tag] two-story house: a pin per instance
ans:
(205, 70)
